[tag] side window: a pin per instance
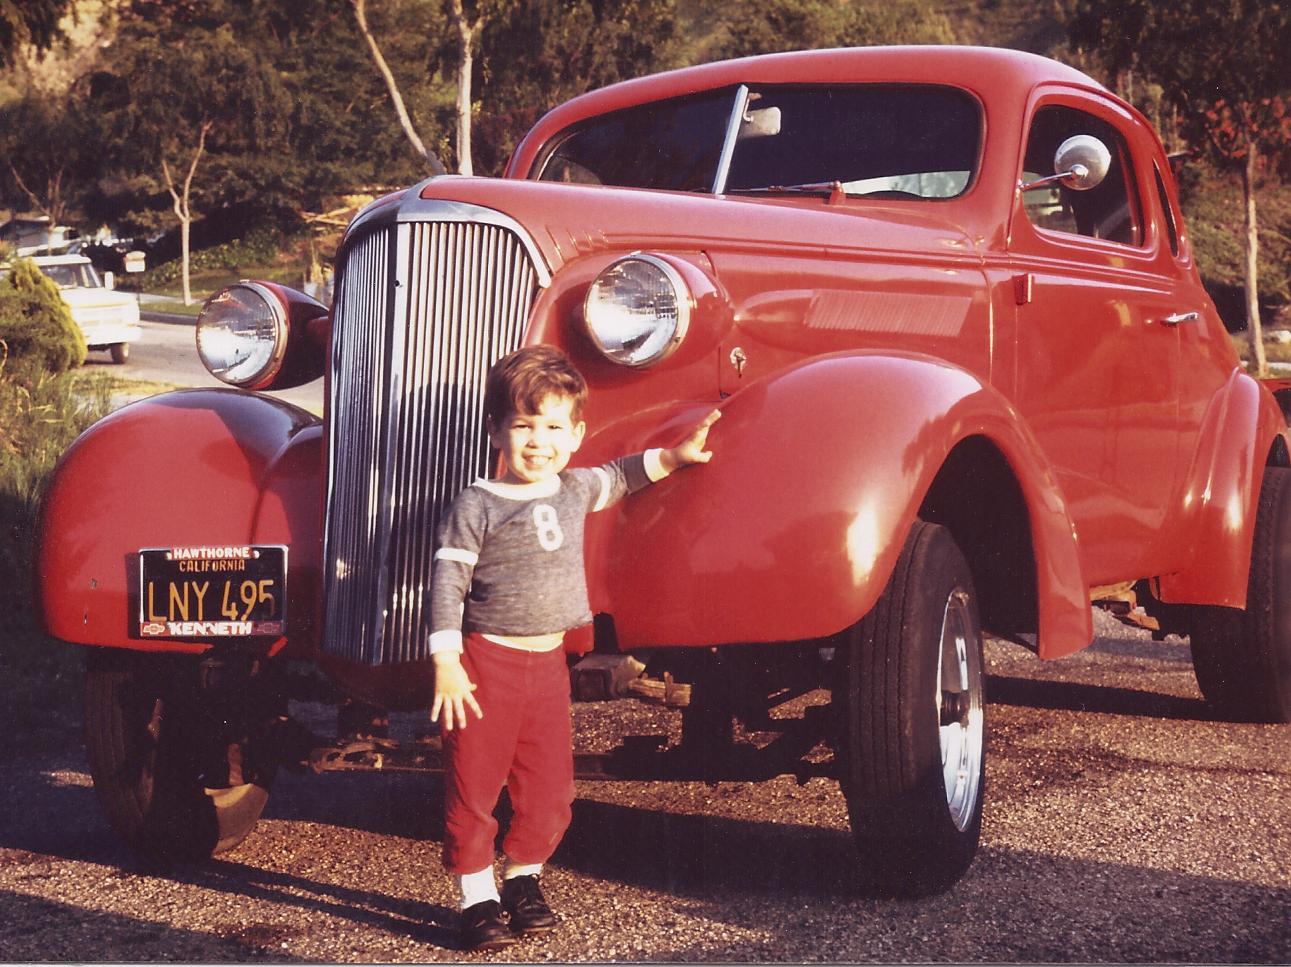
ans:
(1111, 211)
(1171, 229)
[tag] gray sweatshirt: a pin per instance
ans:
(509, 558)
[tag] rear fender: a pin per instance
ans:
(1242, 426)
(204, 466)
(791, 532)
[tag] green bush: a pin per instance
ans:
(257, 248)
(36, 325)
(40, 415)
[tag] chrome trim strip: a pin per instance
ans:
(732, 135)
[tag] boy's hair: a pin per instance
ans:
(520, 381)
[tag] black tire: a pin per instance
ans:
(154, 759)
(120, 352)
(1242, 659)
(909, 690)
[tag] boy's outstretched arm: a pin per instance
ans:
(692, 449)
(453, 688)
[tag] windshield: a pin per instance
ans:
(671, 144)
(890, 141)
(80, 275)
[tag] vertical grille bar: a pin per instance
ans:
(423, 311)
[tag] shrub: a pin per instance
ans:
(40, 416)
(259, 247)
(36, 325)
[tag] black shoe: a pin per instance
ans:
(483, 927)
(524, 902)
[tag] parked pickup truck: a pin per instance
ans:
(108, 319)
(969, 380)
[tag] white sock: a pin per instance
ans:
(513, 869)
(477, 887)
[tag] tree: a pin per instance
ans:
(29, 22)
(534, 55)
(469, 26)
(46, 145)
(1224, 67)
(758, 27)
(405, 120)
(206, 100)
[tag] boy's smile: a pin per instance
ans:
(537, 446)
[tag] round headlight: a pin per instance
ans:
(637, 310)
(242, 334)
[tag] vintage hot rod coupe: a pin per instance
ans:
(969, 380)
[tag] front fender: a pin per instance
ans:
(203, 466)
(792, 530)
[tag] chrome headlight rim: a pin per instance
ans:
(683, 299)
(271, 364)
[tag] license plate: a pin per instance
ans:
(232, 591)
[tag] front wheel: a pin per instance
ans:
(1242, 658)
(909, 704)
(171, 771)
(120, 352)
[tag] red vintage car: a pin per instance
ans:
(969, 380)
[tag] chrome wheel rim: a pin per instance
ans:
(960, 709)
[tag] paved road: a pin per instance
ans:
(167, 354)
(1121, 826)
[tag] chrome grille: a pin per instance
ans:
(423, 310)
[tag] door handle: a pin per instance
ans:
(1175, 318)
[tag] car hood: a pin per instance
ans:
(83, 298)
(569, 221)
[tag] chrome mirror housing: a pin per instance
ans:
(1080, 163)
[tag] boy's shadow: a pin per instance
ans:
(628, 844)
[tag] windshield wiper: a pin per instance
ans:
(806, 188)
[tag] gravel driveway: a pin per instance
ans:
(1121, 826)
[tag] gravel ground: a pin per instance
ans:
(1121, 826)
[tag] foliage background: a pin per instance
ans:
(308, 126)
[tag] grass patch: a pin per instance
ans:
(96, 384)
(40, 416)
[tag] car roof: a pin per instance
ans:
(991, 68)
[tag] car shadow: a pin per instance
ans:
(1078, 697)
(769, 876)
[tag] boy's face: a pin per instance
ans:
(537, 446)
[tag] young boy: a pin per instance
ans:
(508, 576)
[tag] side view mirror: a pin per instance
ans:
(1081, 163)
(761, 123)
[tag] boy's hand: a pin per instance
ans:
(692, 449)
(453, 689)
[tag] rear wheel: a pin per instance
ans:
(909, 707)
(171, 769)
(1242, 659)
(120, 352)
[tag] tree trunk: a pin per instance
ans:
(466, 32)
(405, 120)
(181, 203)
(464, 60)
(185, 226)
(1253, 327)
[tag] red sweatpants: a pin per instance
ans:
(525, 742)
